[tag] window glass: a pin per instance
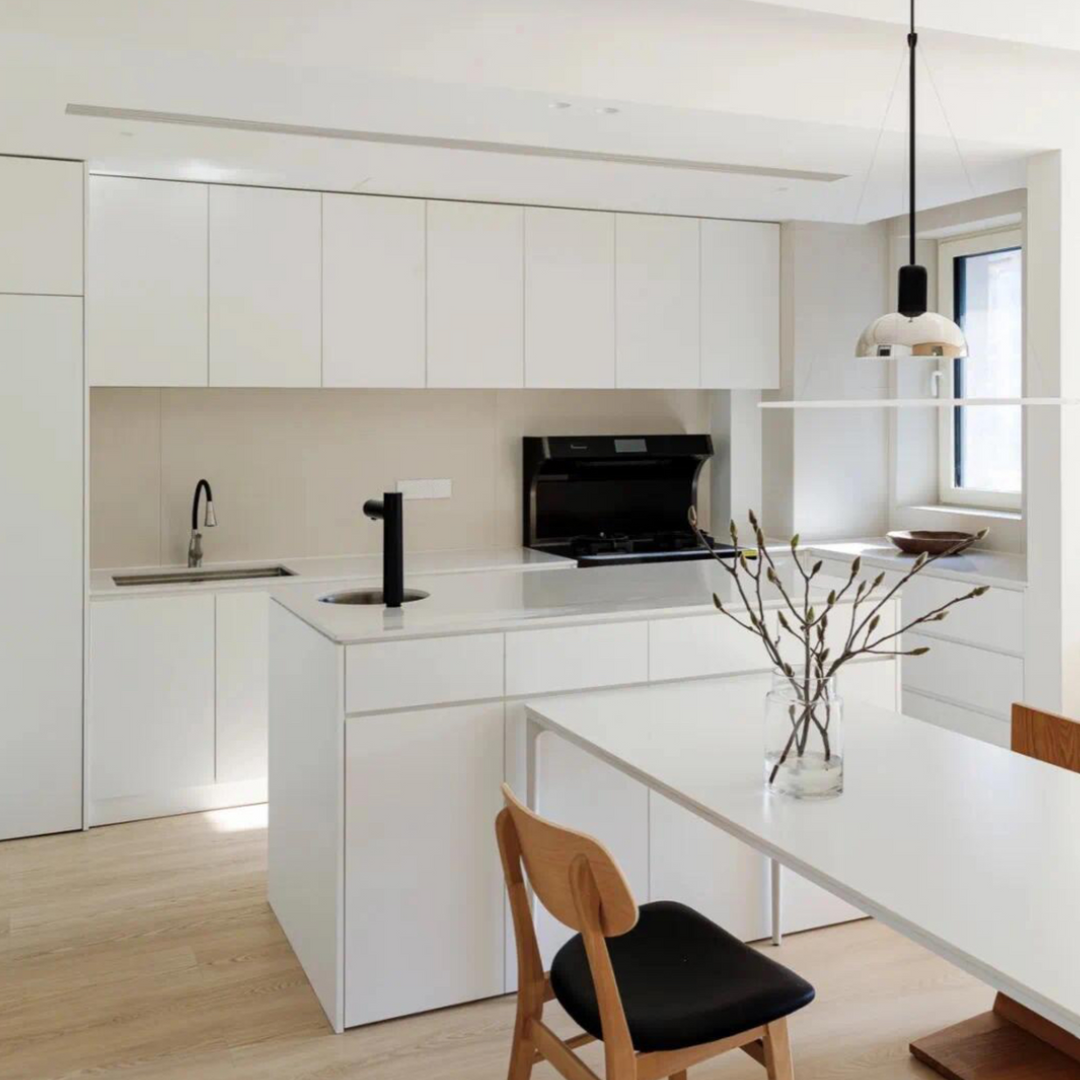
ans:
(988, 300)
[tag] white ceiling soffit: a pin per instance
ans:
(443, 143)
(1052, 24)
(779, 90)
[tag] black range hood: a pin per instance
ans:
(631, 485)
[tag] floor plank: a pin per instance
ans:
(148, 951)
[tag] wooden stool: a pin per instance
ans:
(662, 986)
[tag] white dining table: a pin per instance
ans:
(968, 849)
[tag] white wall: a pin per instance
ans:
(736, 425)
(825, 472)
(1052, 435)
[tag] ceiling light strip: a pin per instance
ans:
(432, 142)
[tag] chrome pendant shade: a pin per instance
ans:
(928, 334)
(912, 331)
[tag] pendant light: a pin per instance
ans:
(912, 330)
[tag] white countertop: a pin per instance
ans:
(331, 568)
(469, 603)
(967, 848)
(1002, 569)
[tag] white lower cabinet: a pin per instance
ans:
(151, 698)
(698, 864)
(178, 704)
(991, 729)
(242, 677)
(968, 676)
(423, 880)
(576, 789)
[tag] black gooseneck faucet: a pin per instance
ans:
(195, 552)
(388, 509)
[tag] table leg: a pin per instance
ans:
(1008, 1043)
(532, 782)
(777, 898)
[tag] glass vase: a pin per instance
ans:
(804, 737)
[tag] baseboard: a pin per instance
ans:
(187, 800)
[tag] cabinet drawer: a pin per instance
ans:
(964, 675)
(574, 657)
(994, 620)
(990, 729)
(703, 645)
(429, 671)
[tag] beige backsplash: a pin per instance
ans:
(291, 468)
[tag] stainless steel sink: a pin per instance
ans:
(370, 596)
(194, 577)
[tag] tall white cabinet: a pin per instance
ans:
(41, 226)
(42, 550)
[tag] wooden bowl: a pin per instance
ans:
(927, 541)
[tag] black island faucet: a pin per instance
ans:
(388, 509)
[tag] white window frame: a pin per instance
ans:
(948, 493)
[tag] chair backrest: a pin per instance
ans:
(548, 852)
(1046, 736)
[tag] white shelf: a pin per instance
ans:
(916, 403)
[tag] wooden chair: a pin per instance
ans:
(660, 985)
(1012, 1041)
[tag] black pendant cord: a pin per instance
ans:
(913, 41)
(912, 281)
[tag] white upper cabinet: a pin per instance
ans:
(569, 298)
(740, 305)
(196, 285)
(657, 299)
(146, 290)
(41, 225)
(373, 291)
(475, 311)
(265, 289)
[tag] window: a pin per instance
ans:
(981, 285)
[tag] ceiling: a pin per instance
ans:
(804, 85)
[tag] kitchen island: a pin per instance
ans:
(390, 732)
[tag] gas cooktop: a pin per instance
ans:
(616, 549)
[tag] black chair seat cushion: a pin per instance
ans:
(683, 981)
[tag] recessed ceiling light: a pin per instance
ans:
(608, 110)
(560, 105)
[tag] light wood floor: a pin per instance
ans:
(148, 950)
